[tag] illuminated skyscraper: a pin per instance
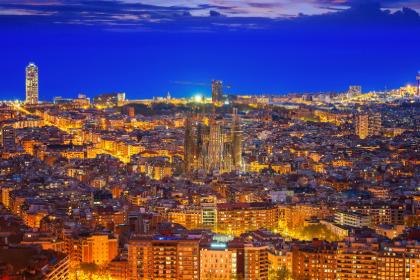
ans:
(216, 91)
(418, 83)
(362, 126)
(368, 125)
(32, 84)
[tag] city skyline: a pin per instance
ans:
(147, 50)
(210, 139)
(216, 89)
(234, 187)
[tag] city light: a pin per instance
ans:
(261, 184)
(198, 98)
(220, 140)
(218, 245)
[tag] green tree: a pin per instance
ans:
(279, 274)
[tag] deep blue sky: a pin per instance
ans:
(256, 47)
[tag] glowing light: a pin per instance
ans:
(218, 245)
(198, 98)
(81, 275)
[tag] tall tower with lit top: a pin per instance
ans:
(216, 91)
(32, 84)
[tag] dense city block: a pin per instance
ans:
(296, 186)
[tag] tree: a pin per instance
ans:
(279, 274)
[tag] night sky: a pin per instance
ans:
(146, 48)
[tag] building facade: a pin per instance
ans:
(32, 93)
(212, 145)
(367, 125)
(8, 138)
(216, 91)
(163, 258)
(352, 219)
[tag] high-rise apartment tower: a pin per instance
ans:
(216, 91)
(368, 124)
(32, 93)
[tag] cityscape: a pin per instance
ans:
(209, 179)
(299, 186)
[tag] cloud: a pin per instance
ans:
(201, 15)
(24, 12)
(214, 13)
